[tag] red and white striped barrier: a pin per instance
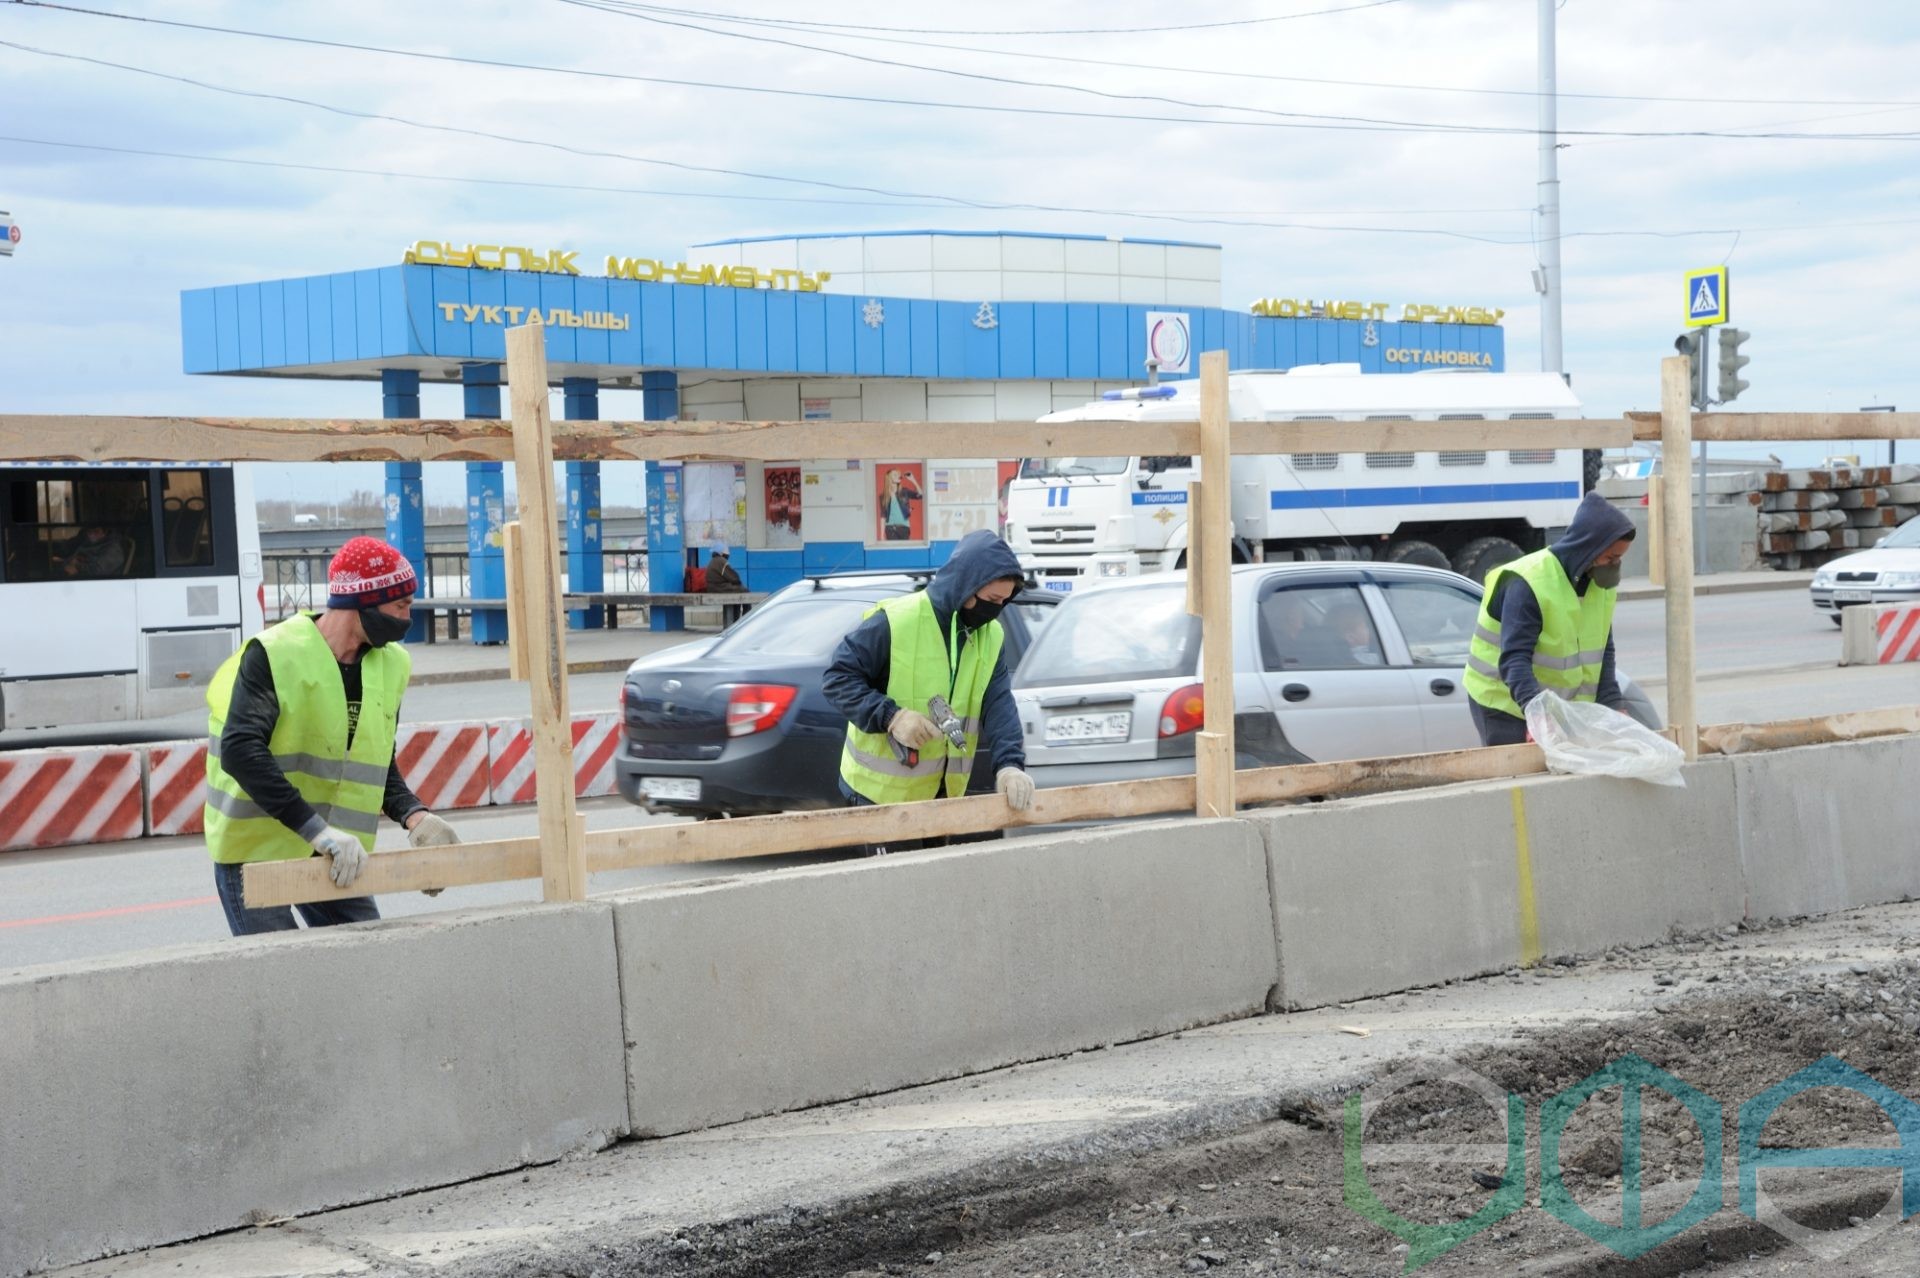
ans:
(1880, 634)
(596, 738)
(49, 798)
(446, 763)
(177, 787)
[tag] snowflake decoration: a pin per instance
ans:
(873, 313)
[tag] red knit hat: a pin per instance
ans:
(368, 572)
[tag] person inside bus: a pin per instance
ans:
(300, 759)
(95, 552)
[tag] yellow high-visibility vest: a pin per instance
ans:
(1573, 635)
(344, 784)
(920, 668)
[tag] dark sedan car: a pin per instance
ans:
(743, 727)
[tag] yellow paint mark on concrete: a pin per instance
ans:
(1529, 906)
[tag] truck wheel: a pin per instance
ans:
(1482, 555)
(1592, 466)
(1412, 551)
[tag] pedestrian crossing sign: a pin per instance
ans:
(1707, 300)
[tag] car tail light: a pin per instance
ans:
(755, 707)
(1185, 711)
(623, 698)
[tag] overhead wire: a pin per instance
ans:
(1070, 31)
(1273, 118)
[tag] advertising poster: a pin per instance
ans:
(1008, 469)
(899, 506)
(781, 488)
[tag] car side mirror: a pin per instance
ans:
(1141, 480)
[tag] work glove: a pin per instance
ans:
(1017, 786)
(348, 857)
(431, 832)
(912, 729)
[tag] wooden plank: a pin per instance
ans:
(517, 620)
(1210, 555)
(1745, 738)
(1371, 776)
(34, 437)
(1676, 475)
(1759, 427)
(416, 869)
(1656, 533)
(563, 862)
(292, 882)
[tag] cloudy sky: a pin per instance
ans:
(1300, 135)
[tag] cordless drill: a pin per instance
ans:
(944, 719)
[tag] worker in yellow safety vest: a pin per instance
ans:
(942, 642)
(300, 746)
(1546, 625)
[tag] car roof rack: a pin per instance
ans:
(1029, 580)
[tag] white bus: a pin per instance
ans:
(122, 587)
(1467, 509)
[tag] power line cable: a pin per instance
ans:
(1293, 119)
(1036, 208)
(1296, 120)
(849, 32)
(1071, 31)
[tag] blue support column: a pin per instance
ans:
(405, 498)
(666, 532)
(486, 510)
(586, 568)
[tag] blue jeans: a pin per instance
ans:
(279, 918)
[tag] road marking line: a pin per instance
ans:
(115, 912)
(1530, 952)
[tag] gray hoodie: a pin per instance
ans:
(1596, 525)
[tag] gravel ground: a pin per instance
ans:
(1268, 1199)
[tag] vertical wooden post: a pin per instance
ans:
(1656, 531)
(517, 621)
(1210, 534)
(542, 646)
(1676, 473)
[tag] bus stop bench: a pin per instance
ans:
(732, 605)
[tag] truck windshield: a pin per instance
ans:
(1061, 467)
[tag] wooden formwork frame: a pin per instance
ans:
(563, 854)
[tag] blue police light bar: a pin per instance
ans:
(1140, 392)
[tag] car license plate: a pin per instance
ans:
(1853, 596)
(672, 789)
(1064, 729)
(1061, 586)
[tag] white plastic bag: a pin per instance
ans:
(1587, 739)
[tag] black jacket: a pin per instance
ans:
(1596, 525)
(246, 752)
(856, 681)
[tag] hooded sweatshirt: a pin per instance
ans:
(856, 681)
(1596, 525)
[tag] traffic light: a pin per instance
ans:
(1731, 362)
(1690, 345)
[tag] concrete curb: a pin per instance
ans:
(1788, 581)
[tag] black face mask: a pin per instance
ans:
(1606, 576)
(980, 614)
(383, 629)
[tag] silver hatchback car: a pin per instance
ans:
(1331, 661)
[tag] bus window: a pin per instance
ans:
(184, 519)
(63, 526)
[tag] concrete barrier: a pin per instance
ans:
(1382, 894)
(778, 991)
(153, 1098)
(1879, 634)
(1829, 827)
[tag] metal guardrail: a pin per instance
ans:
(297, 580)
